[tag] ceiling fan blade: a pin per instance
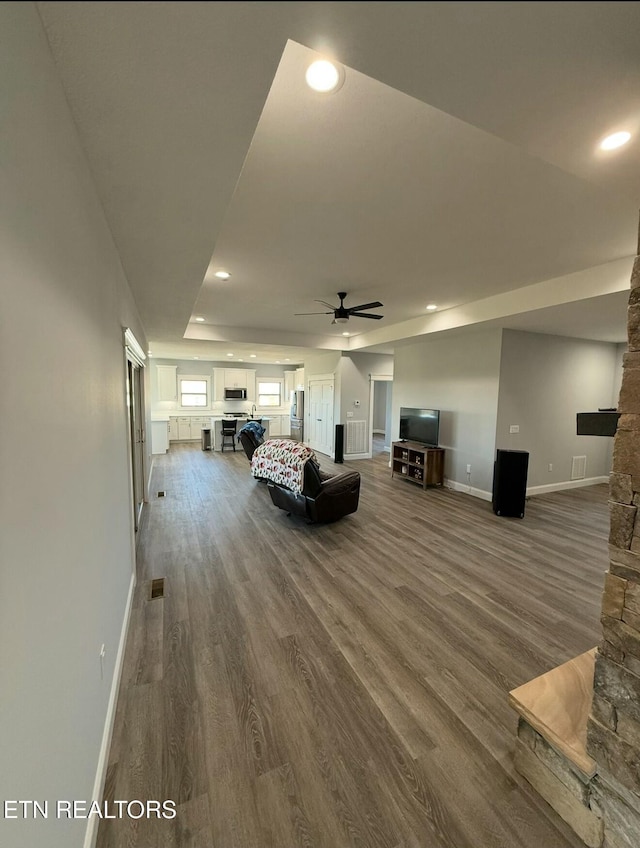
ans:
(374, 305)
(324, 303)
(365, 315)
(313, 313)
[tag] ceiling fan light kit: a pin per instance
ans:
(342, 313)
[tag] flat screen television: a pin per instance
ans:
(420, 425)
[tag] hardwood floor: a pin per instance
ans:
(344, 685)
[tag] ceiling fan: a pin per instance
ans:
(342, 313)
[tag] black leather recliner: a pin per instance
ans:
(249, 441)
(324, 497)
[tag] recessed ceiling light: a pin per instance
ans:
(323, 76)
(229, 354)
(346, 334)
(431, 307)
(222, 275)
(241, 360)
(611, 142)
(196, 357)
(199, 318)
(252, 355)
(277, 362)
(287, 360)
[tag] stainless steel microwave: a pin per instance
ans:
(235, 394)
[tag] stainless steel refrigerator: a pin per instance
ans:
(297, 415)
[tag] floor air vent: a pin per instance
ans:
(578, 467)
(157, 588)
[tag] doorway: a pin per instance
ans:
(381, 390)
(135, 359)
(135, 408)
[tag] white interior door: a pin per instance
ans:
(320, 421)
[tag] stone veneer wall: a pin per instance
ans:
(613, 732)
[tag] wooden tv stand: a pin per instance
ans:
(418, 463)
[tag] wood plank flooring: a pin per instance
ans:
(347, 684)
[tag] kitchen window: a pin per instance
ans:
(194, 392)
(270, 392)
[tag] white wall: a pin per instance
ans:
(459, 376)
(66, 557)
(544, 381)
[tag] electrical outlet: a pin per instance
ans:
(551, 466)
(349, 414)
(514, 428)
(468, 469)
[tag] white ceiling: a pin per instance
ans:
(457, 164)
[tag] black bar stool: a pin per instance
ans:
(228, 431)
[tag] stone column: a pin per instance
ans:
(613, 733)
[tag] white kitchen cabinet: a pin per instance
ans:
(299, 378)
(285, 426)
(235, 378)
(173, 428)
(167, 382)
(251, 386)
(159, 437)
(275, 426)
(184, 428)
(218, 383)
(290, 383)
(197, 425)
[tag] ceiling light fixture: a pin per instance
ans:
(431, 307)
(346, 334)
(617, 139)
(199, 319)
(324, 76)
(252, 355)
(196, 357)
(222, 275)
(229, 354)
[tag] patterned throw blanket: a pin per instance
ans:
(282, 461)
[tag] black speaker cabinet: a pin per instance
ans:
(510, 482)
(339, 457)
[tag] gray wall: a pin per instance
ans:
(458, 375)
(544, 381)
(355, 371)
(66, 558)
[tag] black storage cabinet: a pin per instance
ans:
(510, 482)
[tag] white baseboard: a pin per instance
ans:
(91, 833)
(350, 456)
(565, 484)
(468, 490)
(532, 490)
